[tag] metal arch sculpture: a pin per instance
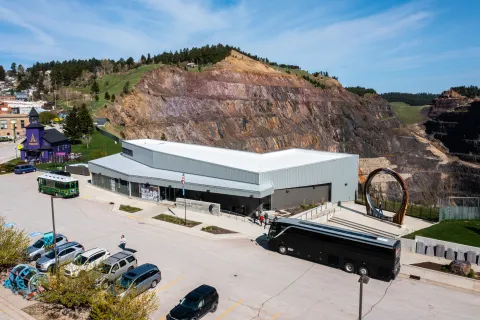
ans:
(400, 215)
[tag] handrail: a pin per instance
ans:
(231, 214)
(317, 214)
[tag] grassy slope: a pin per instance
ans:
(460, 231)
(99, 143)
(407, 113)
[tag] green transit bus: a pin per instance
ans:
(358, 252)
(58, 185)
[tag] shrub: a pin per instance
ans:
(105, 306)
(96, 154)
(176, 220)
(129, 208)
(13, 244)
(471, 274)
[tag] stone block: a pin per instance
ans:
(460, 267)
(440, 251)
(420, 248)
(430, 251)
(471, 256)
(450, 254)
(460, 255)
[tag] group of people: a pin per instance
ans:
(262, 217)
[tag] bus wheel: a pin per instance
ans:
(363, 271)
(349, 267)
(282, 250)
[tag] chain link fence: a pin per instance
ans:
(460, 208)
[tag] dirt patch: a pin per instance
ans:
(216, 230)
(437, 267)
(45, 311)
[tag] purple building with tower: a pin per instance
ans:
(44, 145)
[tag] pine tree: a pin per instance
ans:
(107, 95)
(95, 88)
(143, 59)
(130, 61)
(126, 87)
(71, 127)
(113, 97)
(13, 67)
(85, 120)
(149, 59)
(2, 74)
(97, 97)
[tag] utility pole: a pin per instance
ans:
(54, 234)
(363, 279)
(15, 132)
(184, 198)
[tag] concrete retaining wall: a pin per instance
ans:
(198, 206)
(449, 279)
(408, 245)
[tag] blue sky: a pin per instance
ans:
(407, 46)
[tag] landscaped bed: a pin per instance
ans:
(440, 268)
(216, 230)
(46, 311)
(459, 231)
(129, 209)
(176, 220)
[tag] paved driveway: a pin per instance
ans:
(253, 283)
(7, 151)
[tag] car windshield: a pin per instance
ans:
(105, 268)
(124, 282)
(50, 254)
(80, 260)
(38, 244)
(190, 304)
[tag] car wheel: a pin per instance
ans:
(363, 271)
(154, 284)
(349, 267)
(130, 268)
(282, 250)
(214, 307)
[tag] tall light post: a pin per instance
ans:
(184, 198)
(363, 279)
(54, 233)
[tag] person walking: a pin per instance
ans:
(265, 215)
(380, 209)
(261, 219)
(123, 242)
(255, 215)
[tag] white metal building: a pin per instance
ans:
(239, 181)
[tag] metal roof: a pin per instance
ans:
(249, 161)
(57, 177)
(123, 165)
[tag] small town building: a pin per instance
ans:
(100, 122)
(12, 126)
(43, 145)
(237, 180)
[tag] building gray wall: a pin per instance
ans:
(294, 197)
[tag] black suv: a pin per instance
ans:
(196, 304)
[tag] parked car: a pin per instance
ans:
(24, 168)
(115, 266)
(66, 253)
(137, 280)
(196, 304)
(36, 250)
(86, 261)
(61, 173)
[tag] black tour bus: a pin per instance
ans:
(352, 251)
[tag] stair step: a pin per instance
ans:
(362, 228)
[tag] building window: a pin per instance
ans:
(22, 124)
(13, 123)
(3, 124)
(128, 152)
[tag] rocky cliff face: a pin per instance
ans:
(245, 105)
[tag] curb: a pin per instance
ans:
(13, 312)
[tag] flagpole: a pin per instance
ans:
(184, 197)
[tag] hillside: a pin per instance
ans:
(248, 105)
(408, 114)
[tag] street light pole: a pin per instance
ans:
(363, 279)
(54, 234)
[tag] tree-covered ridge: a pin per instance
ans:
(469, 92)
(361, 91)
(413, 99)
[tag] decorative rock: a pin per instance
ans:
(460, 255)
(471, 256)
(440, 251)
(450, 254)
(430, 252)
(460, 267)
(420, 247)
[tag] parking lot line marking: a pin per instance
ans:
(164, 317)
(133, 217)
(230, 310)
(86, 197)
(169, 284)
(276, 316)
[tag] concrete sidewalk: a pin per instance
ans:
(11, 306)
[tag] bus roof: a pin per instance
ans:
(339, 232)
(57, 177)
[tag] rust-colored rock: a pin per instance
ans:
(461, 268)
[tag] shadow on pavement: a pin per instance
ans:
(261, 241)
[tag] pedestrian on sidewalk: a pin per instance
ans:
(255, 215)
(380, 208)
(265, 215)
(261, 220)
(123, 242)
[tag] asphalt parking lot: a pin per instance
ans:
(252, 283)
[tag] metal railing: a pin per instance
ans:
(233, 215)
(315, 213)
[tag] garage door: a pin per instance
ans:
(294, 197)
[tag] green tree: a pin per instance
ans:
(126, 87)
(163, 137)
(47, 116)
(95, 88)
(85, 121)
(143, 60)
(13, 68)
(113, 97)
(130, 61)
(149, 59)
(13, 244)
(107, 95)
(20, 69)
(97, 97)
(2, 73)
(71, 128)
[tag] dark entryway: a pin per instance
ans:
(294, 197)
